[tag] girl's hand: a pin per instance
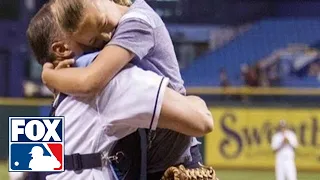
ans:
(48, 67)
(55, 66)
(64, 64)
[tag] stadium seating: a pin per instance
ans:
(261, 40)
(306, 82)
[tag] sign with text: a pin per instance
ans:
(242, 137)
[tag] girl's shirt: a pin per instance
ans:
(94, 124)
(142, 31)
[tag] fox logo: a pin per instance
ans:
(36, 144)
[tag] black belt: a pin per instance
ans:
(125, 157)
(78, 162)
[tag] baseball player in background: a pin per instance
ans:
(284, 143)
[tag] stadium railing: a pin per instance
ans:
(254, 91)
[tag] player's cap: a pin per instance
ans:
(36, 150)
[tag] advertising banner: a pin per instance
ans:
(242, 137)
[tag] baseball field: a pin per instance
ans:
(222, 174)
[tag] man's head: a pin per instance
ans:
(46, 39)
(282, 125)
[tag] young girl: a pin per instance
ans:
(138, 36)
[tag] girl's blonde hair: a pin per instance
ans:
(69, 13)
(123, 2)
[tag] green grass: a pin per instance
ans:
(260, 175)
(222, 174)
(4, 171)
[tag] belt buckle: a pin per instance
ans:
(77, 162)
(104, 158)
(116, 158)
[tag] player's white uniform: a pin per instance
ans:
(131, 100)
(285, 157)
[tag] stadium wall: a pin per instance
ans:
(240, 140)
(242, 136)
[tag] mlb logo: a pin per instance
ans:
(36, 144)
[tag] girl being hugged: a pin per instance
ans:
(135, 33)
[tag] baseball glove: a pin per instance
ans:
(182, 173)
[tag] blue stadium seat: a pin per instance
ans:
(306, 82)
(262, 39)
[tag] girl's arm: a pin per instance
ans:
(132, 38)
(90, 80)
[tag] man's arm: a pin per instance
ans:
(283, 143)
(185, 114)
(141, 99)
(292, 140)
(277, 143)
